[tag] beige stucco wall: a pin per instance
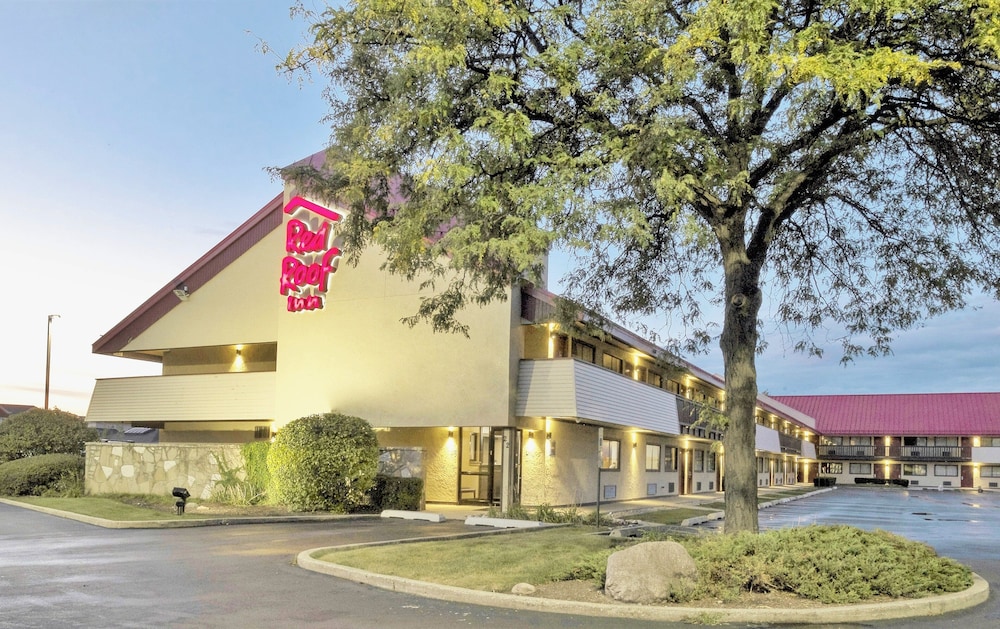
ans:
(355, 356)
(440, 459)
(124, 468)
(239, 305)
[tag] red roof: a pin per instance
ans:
(917, 414)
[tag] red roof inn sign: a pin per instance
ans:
(310, 258)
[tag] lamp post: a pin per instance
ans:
(48, 357)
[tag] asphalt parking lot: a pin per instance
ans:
(56, 572)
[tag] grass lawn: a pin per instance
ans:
(828, 564)
(500, 561)
(107, 508)
(673, 516)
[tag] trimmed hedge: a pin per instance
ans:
(323, 463)
(391, 492)
(38, 431)
(46, 474)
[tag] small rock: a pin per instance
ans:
(523, 588)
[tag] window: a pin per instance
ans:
(914, 469)
(613, 363)
(672, 464)
(711, 462)
(655, 379)
(946, 470)
(946, 441)
(610, 449)
(653, 455)
(584, 351)
(699, 460)
(914, 441)
(860, 468)
(640, 374)
(831, 468)
(559, 346)
(990, 471)
(990, 442)
(674, 387)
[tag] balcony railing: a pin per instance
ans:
(202, 397)
(935, 453)
(790, 444)
(898, 452)
(851, 452)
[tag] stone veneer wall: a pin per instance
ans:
(129, 468)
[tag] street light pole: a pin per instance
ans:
(48, 357)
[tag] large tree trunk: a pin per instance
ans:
(739, 344)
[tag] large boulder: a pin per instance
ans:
(652, 572)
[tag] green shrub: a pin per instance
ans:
(392, 492)
(323, 462)
(38, 431)
(247, 484)
(592, 567)
(255, 466)
(832, 564)
(44, 475)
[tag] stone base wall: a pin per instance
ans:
(131, 468)
(128, 468)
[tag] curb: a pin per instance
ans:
(180, 524)
(834, 614)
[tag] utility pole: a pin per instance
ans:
(48, 357)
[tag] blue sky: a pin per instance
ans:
(134, 135)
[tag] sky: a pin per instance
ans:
(135, 135)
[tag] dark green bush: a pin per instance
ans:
(391, 492)
(44, 475)
(255, 465)
(38, 431)
(832, 564)
(323, 463)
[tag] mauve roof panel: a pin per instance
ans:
(925, 414)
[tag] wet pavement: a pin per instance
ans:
(56, 572)
(963, 525)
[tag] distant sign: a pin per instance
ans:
(310, 259)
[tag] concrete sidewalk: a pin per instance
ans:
(628, 509)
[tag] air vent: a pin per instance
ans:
(993, 485)
(650, 489)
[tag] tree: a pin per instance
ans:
(38, 431)
(323, 462)
(836, 156)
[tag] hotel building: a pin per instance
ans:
(269, 326)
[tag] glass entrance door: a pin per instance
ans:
(479, 466)
(481, 470)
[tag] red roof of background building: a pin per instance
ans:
(917, 414)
